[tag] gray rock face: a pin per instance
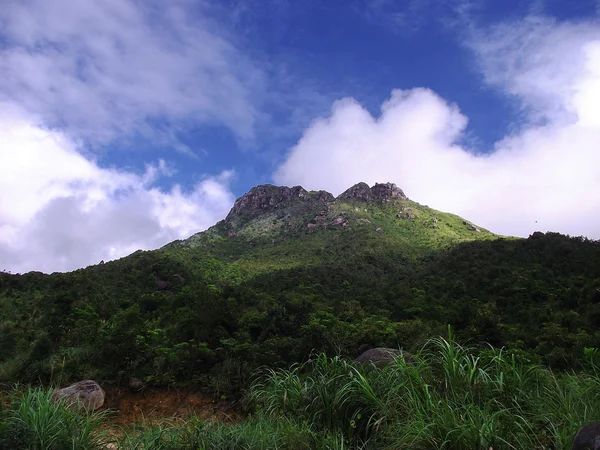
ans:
(381, 356)
(471, 227)
(360, 191)
(266, 197)
(86, 394)
(388, 191)
(588, 437)
(384, 192)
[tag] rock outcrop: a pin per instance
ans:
(85, 394)
(381, 356)
(471, 227)
(388, 191)
(266, 198)
(383, 192)
(360, 191)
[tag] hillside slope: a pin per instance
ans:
(290, 271)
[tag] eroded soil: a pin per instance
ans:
(154, 404)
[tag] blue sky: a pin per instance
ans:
(125, 124)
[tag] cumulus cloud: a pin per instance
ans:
(60, 210)
(106, 69)
(77, 76)
(544, 177)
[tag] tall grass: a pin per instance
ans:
(447, 397)
(256, 433)
(33, 421)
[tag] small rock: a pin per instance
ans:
(406, 215)
(378, 230)
(86, 394)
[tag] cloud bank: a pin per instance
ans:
(60, 211)
(77, 76)
(544, 177)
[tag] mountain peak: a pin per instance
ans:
(267, 212)
(267, 198)
(380, 191)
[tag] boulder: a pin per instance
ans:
(87, 394)
(588, 437)
(338, 221)
(136, 385)
(360, 191)
(381, 356)
(388, 191)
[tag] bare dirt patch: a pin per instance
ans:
(155, 404)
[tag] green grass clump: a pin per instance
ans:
(33, 421)
(448, 396)
(256, 433)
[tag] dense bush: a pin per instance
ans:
(229, 308)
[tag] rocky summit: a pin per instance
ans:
(269, 213)
(383, 192)
(266, 198)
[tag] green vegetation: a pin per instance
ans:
(220, 318)
(295, 274)
(33, 421)
(445, 396)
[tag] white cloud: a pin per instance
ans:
(545, 177)
(79, 75)
(60, 211)
(102, 70)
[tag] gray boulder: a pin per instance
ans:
(86, 394)
(381, 356)
(588, 437)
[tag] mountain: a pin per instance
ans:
(273, 227)
(290, 271)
